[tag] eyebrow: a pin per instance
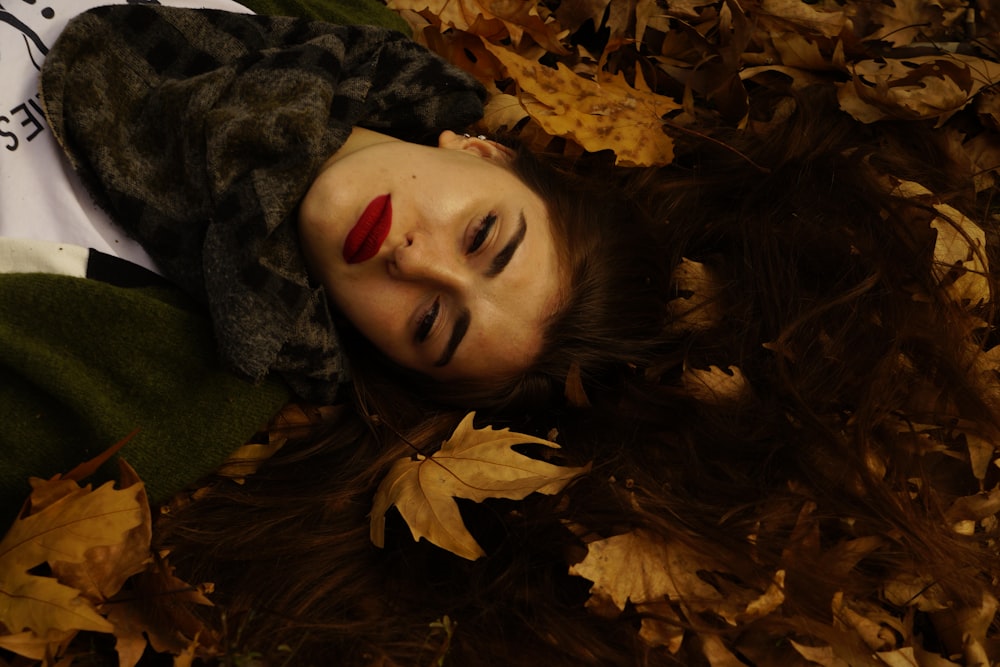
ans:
(497, 266)
(457, 334)
(503, 257)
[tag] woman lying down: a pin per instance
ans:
(766, 375)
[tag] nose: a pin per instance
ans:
(422, 258)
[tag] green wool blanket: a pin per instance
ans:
(84, 363)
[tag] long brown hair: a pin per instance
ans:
(830, 306)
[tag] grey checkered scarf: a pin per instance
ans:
(201, 131)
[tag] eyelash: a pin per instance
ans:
(485, 226)
(430, 317)
(427, 321)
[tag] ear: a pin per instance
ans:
(480, 146)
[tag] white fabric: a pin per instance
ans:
(33, 256)
(40, 196)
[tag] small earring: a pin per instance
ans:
(481, 137)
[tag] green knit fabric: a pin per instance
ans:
(83, 363)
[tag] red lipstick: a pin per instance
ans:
(370, 231)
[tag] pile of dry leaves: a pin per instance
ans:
(626, 76)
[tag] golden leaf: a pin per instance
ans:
(607, 114)
(474, 464)
(503, 111)
(637, 567)
(64, 531)
(104, 570)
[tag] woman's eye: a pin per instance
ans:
(427, 321)
(483, 233)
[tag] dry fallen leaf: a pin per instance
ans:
(474, 464)
(598, 115)
(135, 621)
(639, 568)
(698, 306)
(35, 647)
(959, 248)
(106, 568)
(496, 19)
(922, 87)
(714, 385)
(64, 531)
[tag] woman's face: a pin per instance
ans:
(440, 256)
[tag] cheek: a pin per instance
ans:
(378, 312)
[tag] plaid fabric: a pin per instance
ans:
(200, 132)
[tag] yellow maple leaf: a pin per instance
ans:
(474, 464)
(64, 531)
(599, 115)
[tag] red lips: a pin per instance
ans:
(370, 231)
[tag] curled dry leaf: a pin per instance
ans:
(474, 464)
(959, 247)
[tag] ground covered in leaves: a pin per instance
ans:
(627, 77)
